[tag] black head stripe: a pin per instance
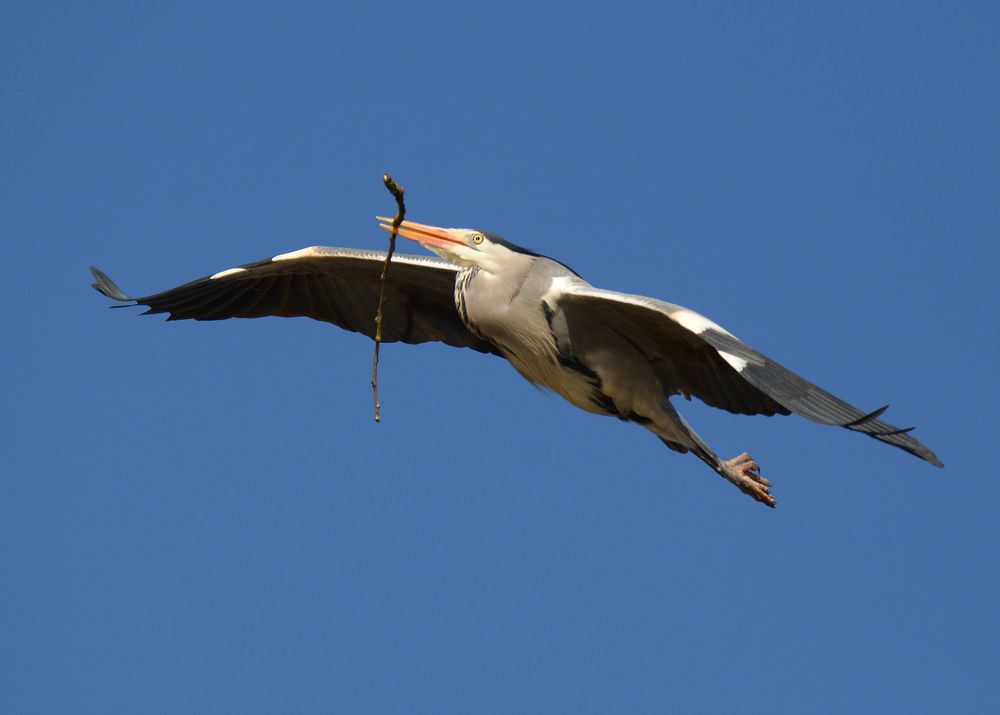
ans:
(521, 249)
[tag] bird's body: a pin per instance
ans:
(515, 316)
(605, 352)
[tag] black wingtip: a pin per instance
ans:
(107, 287)
(870, 425)
(891, 432)
(866, 418)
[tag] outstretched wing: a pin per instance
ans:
(695, 356)
(335, 285)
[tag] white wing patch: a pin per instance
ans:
(688, 319)
(361, 254)
(311, 252)
(697, 323)
(684, 317)
(227, 272)
(737, 362)
(561, 285)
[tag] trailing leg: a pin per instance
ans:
(741, 470)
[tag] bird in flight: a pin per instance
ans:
(606, 352)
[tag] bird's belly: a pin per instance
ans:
(574, 386)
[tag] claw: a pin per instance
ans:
(744, 472)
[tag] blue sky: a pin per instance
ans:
(203, 517)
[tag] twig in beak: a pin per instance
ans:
(397, 191)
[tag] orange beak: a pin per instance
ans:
(429, 236)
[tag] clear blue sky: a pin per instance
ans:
(203, 517)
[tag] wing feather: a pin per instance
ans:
(335, 285)
(697, 357)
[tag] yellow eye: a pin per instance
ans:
(477, 238)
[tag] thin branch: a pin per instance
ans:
(397, 191)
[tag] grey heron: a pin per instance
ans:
(605, 352)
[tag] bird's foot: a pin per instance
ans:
(744, 472)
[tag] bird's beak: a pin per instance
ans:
(429, 236)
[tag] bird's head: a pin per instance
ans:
(462, 246)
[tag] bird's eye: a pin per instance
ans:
(477, 238)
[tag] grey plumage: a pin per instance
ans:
(606, 352)
(334, 285)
